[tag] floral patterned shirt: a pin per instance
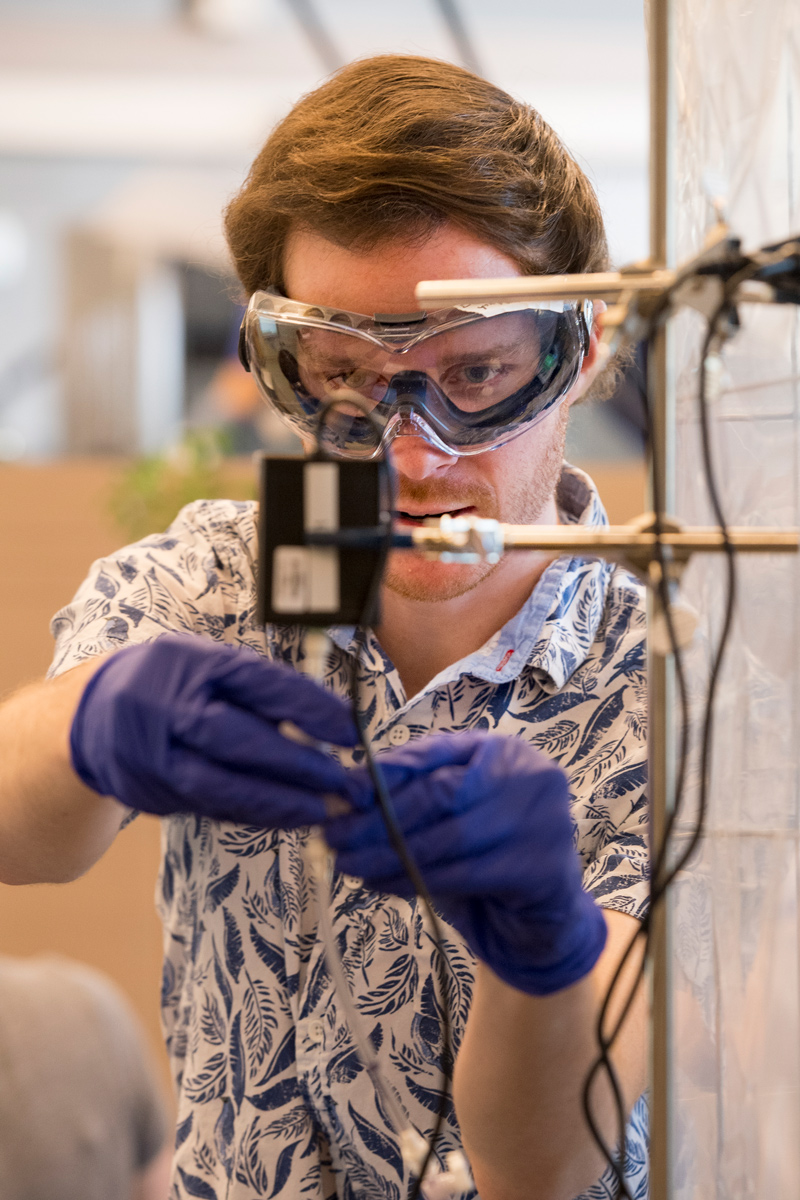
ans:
(273, 1100)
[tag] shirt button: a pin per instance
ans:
(316, 1033)
(353, 882)
(399, 735)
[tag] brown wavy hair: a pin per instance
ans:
(396, 145)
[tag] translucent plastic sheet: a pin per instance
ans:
(735, 911)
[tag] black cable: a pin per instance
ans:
(400, 848)
(385, 805)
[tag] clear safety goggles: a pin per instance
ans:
(466, 379)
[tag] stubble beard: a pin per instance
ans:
(410, 576)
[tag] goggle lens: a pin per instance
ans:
(474, 380)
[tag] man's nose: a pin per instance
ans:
(417, 459)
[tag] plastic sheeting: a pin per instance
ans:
(736, 986)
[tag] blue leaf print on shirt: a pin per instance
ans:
(232, 945)
(396, 990)
(277, 1096)
(601, 721)
(283, 1057)
(291, 1124)
(250, 1168)
(209, 1083)
(187, 854)
(627, 779)
(221, 888)
(317, 984)
(105, 584)
(430, 1098)
(196, 1187)
(183, 1130)
(237, 1061)
(385, 1148)
(212, 1023)
(222, 983)
(272, 958)
(223, 1136)
(541, 712)
(247, 841)
(259, 1020)
(426, 1025)
(167, 981)
(167, 879)
(345, 1063)
(362, 1182)
(631, 666)
(116, 630)
(556, 739)
(133, 614)
(606, 887)
(283, 1168)
(395, 934)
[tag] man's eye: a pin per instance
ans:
(480, 374)
(357, 378)
(475, 374)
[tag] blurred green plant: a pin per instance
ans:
(154, 488)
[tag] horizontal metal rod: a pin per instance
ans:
(601, 285)
(694, 539)
(571, 539)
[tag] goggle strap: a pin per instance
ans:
(244, 357)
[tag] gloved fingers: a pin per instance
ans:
(278, 693)
(419, 804)
(471, 846)
(487, 881)
(251, 745)
(429, 753)
(214, 791)
(418, 759)
(459, 879)
(493, 760)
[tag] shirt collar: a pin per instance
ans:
(552, 632)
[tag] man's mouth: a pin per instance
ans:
(417, 517)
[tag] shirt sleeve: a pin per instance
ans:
(198, 577)
(609, 783)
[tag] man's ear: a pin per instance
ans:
(593, 360)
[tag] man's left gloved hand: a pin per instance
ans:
(487, 821)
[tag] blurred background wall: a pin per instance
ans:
(124, 128)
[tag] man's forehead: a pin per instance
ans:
(382, 278)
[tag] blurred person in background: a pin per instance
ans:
(507, 701)
(82, 1113)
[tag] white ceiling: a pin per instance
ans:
(79, 86)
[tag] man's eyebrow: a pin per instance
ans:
(478, 356)
(318, 358)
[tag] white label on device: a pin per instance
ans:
(320, 497)
(290, 579)
(305, 579)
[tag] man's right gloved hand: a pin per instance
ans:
(184, 724)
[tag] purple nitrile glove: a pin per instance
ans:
(183, 724)
(487, 820)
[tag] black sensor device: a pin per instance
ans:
(323, 532)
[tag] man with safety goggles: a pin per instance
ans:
(466, 380)
(506, 700)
